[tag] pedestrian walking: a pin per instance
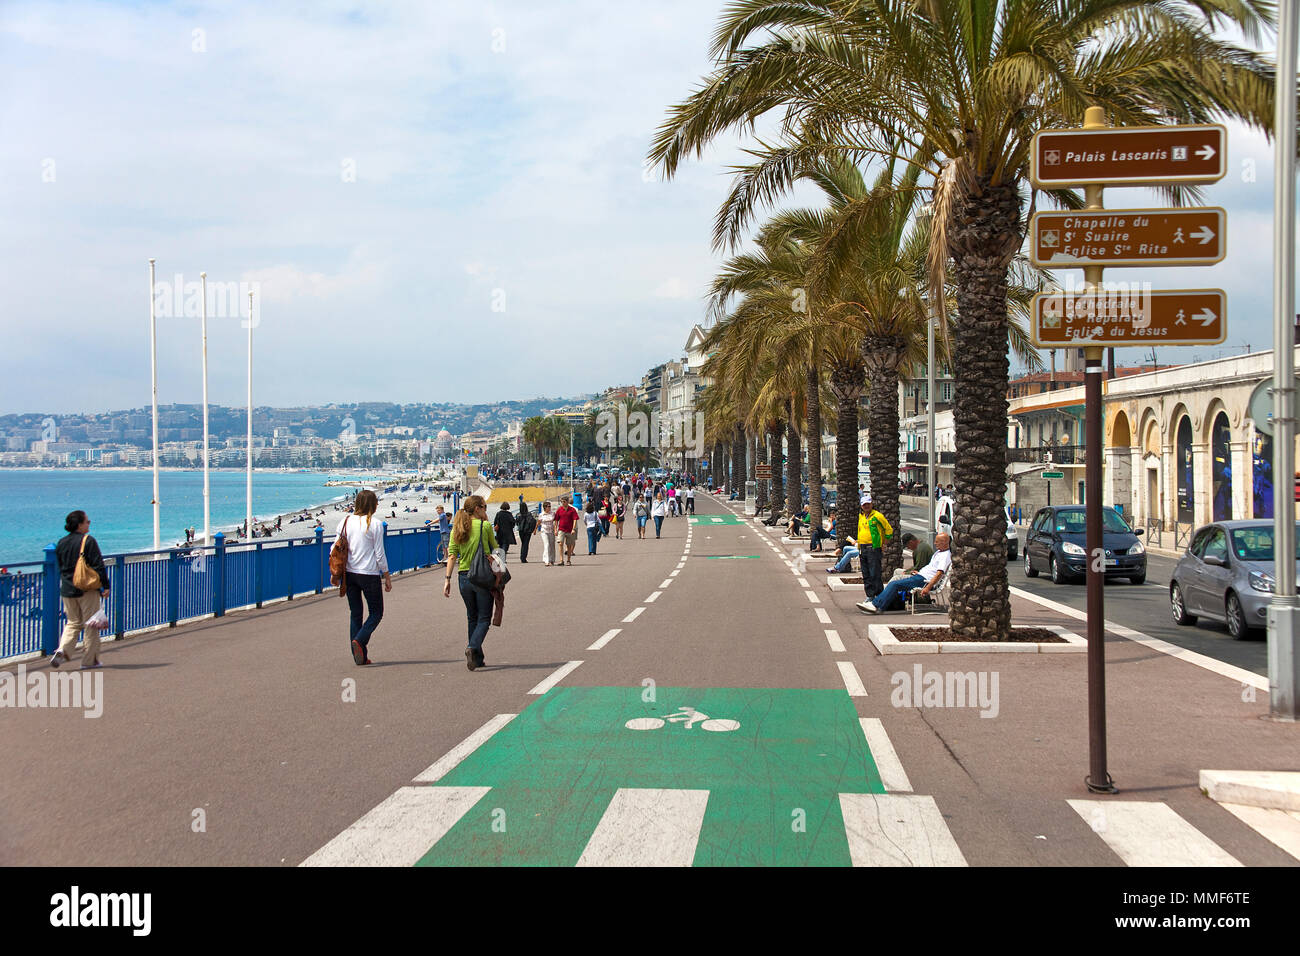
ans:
(873, 530)
(658, 511)
(504, 526)
(367, 573)
(566, 530)
(80, 562)
(592, 521)
(526, 524)
(546, 528)
(471, 534)
(620, 517)
(641, 511)
(444, 532)
(690, 499)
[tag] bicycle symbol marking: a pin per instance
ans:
(689, 717)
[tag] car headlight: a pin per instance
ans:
(1261, 581)
(1137, 549)
(1069, 547)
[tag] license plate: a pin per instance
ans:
(1112, 563)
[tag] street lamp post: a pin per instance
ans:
(248, 496)
(207, 489)
(929, 418)
(153, 370)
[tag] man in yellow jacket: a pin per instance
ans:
(873, 531)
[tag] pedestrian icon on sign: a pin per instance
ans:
(1178, 234)
(1181, 319)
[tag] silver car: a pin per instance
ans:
(1226, 575)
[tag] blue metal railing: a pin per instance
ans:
(155, 588)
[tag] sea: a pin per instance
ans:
(118, 502)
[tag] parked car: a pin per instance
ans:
(1013, 537)
(1226, 575)
(1057, 543)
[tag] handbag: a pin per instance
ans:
(480, 567)
(339, 560)
(84, 577)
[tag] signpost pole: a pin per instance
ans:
(1284, 608)
(1098, 780)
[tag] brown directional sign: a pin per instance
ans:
(1129, 155)
(1128, 237)
(1135, 316)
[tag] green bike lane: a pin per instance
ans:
(712, 729)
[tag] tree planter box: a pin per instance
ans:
(882, 637)
(843, 583)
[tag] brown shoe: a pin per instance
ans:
(470, 661)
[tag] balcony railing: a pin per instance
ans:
(1060, 454)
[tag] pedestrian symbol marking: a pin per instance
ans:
(555, 770)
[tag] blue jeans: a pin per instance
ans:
(818, 536)
(478, 610)
(372, 587)
(895, 590)
(593, 535)
(870, 560)
(659, 521)
(843, 563)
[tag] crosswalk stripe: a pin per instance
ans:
(1148, 833)
(400, 830)
(892, 774)
(448, 761)
(803, 583)
(851, 679)
(1280, 827)
(667, 581)
(605, 639)
(555, 678)
(897, 829)
(654, 597)
(647, 827)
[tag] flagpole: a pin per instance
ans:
(207, 489)
(248, 506)
(153, 374)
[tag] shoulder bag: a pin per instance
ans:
(339, 560)
(84, 577)
(480, 566)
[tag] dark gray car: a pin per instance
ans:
(1226, 575)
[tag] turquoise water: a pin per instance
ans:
(34, 502)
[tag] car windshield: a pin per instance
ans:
(1072, 522)
(1256, 544)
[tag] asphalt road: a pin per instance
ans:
(1143, 607)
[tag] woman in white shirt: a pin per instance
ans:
(367, 567)
(546, 528)
(592, 521)
(659, 511)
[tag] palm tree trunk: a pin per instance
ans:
(983, 234)
(751, 450)
(738, 462)
(884, 356)
(793, 464)
(846, 385)
(813, 431)
(774, 453)
(762, 497)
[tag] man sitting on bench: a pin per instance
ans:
(925, 579)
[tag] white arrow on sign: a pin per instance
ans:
(1205, 316)
(1205, 234)
(1206, 152)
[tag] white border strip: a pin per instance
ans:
(605, 639)
(852, 682)
(400, 830)
(555, 678)
(452, 758)
(892, 774)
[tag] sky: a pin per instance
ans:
(434, 202)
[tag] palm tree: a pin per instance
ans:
(964, 85)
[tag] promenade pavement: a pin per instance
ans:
(695, 699)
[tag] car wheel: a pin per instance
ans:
(1138, 578)
(1013, 551)
(1178, 606)
(1237, 626)
(1054, 570)
(1030, 570)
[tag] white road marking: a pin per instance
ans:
(648, 828)
(677, 571)
(669, 580)
(605, 639)
(637, 613)
(1239, 674)
(400, 830)
(813, 598)
(833, 637)
(897, 829)
(654, 597)
(448, 761)
(1149, 833)
(852, 682)
(892, 774)
(1281, 827)
(822, 616)
(803, 582)
(558, 676)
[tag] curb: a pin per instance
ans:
(1271, 789)
(880, 635)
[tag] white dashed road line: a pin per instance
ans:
(852, 682)
(892, 775)
(448, 761)
(833, 638)
(558, 676)
(822, 616)
(605, 639)
(633, 616)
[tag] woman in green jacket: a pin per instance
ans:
(470, 532)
